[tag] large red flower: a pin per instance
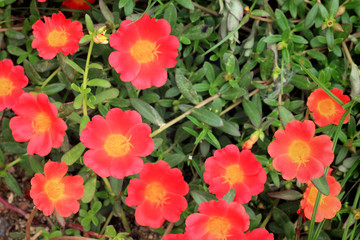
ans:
(179, 236)
(37, 122)
(325, 110)
(57, 34)
(56, 191)
(77, 4)
(144, 49)
(116, 143)
(259, 234)
(12, 80)
(297, 153)
(218, 221)
(229, 168)
(329, 205)
(159, 194)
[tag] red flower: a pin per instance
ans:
(218, 221)
(159, 194)
(37, 122)
(325, 110)
(229, 168)
(329, 205)
(179, 236)
(297, 153)
(56, 191)
(12, 80)
(259, 234)
(144, 49)
(57, 34)
(116, 143)
(77, 4)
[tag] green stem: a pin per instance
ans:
(124, 220)
(50, 77)
(85, 79)
(351, 215)
(312, 223)
(15, 161)
(267, 219)
(107, 223)
(108, 186)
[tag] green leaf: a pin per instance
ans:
(71, 156)
(106, 11)
(89, 189)
(283, 220)
(267, 65)
(97, 82)
(285, 116)
(12, 184)
(74, 66)
(298, 39)
(106, 95)
(281, 20)
(329, 34)
(13, 34)
(31, 73)
(324, 12)
(174, 159)
(53, 88)
(321, 184)
(302, 82)
(186, 88)
(230, 128)
(201, 196)
(147, 111)
(273, 39)
(252, 112)
(355, 79)
(289, 195)
(310, 17)
(334, 6)
(16, 50)
(197, 32)
(186, 3)
(89, 23)
(207, 117)
(260, 13)
(233, 93)
(170, 14)
(230, 195)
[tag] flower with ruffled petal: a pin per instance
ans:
(116, 143)
(324, 109)
(218, 221)
(259, 234)
(231, 169)
(158, 194)
(144, 49)
(297, 153)
(37, 122)
(77, 4)
(53, 190)
(329, 205)
(57, 34)
(12, 80)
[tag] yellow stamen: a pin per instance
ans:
(233, 174)
(219, 227)
(299, 151)
(144, 51)
(117, 145)
(41, 123)
(57, 38)
(6, 87)
(156, 193)
(326, 107)
(55, 189)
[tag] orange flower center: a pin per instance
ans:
(233, 174)
(117, 145)
(57, 38)
(326, 107)
(144, 51)
(55, 189)
(156, 193)
(6, 87)
(218, 227)
(41, 123)
(299, 151)
(311, 198)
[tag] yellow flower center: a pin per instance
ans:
(117, 145)
(57, 38)
(311, 198)
(55, 189)
(299, 151)
(233, 174)
(144, 51)
(326, 107)
(6, 87)
(41, 123)
(156, 193)
(218, 227)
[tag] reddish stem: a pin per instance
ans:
(87, 233)
(13, 208)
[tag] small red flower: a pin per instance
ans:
(57, 34)
(297, 153)
(325, 110)
(12, 80)
(144, 49)
(37, 122)
(159, 194)
(56, 191)
(329, 205)
(218, 221)
(229, 168)
(116, 143)
(259, 234)
(77, 4)
(179, 236)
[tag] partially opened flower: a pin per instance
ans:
(144, 49)
(329, 205)
(158, 194)
(231, 169)
(57, 34)
(259, 234)
(297, 153)
(12, 80)
(37, 122)
(53, 190)
(218, 221)
(77, 4)
(116, 143)
(324, 109)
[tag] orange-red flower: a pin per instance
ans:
(56, 191)
(77, 4)
(218, 221)
(297, 153)
(324, 109)
(259, 234)
(37, 122)
(116, 143)
(158, 194)
(12, 80)
(329, 205)
(229, 168)
(144, 49)
(57, 34)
